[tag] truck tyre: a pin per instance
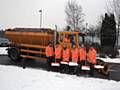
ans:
(14, 54)
(106, 70)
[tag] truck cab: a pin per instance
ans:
(76, 38)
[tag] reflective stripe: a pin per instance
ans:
(73, 64)
(62, 62)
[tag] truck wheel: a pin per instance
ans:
(14, 54)
(106, 69)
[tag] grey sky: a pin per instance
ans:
(24, 13)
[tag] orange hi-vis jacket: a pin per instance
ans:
(66, 40)
(83, 54)
(49, 51)
(92, 55)
(66, 55)
(58, 52)
(75, 55)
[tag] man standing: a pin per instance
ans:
(92, 59)
(65, 59)
(66, 53)
(66, 39)
(58, 52)
(75, 53)
(82, 61)
(49, 54)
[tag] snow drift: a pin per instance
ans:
(3, 51)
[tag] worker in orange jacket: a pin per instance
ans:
(82, 60)
(66, 39)
(58, 52)
(74, 54)
(66, 53)
(92, 59)
(49, 54)
(64, 68)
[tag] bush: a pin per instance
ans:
(104, 51)
(108, 31)
(109, 51)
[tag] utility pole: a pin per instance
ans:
(40, 11)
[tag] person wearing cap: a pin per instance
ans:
(82, 60)
(58, 52)
(49, 54)
(92, 59)
(65, 58)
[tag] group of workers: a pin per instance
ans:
(76, 55)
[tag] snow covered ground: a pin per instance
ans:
(16, 78)
(110, 60)
(3, 51)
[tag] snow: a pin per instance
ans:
(3, 51)
(98, 66)
(110, 60)
(16, 78)
(55, 64)
(85, 68)
(73, 64)
(64, 63)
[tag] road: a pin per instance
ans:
(114, 73)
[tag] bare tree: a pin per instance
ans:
(99, 25)
(74, 15)
(114, 7)
(99, 20)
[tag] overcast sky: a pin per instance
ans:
(24, 13)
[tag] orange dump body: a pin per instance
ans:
(30, 36)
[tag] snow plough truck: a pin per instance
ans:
(30, 43)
